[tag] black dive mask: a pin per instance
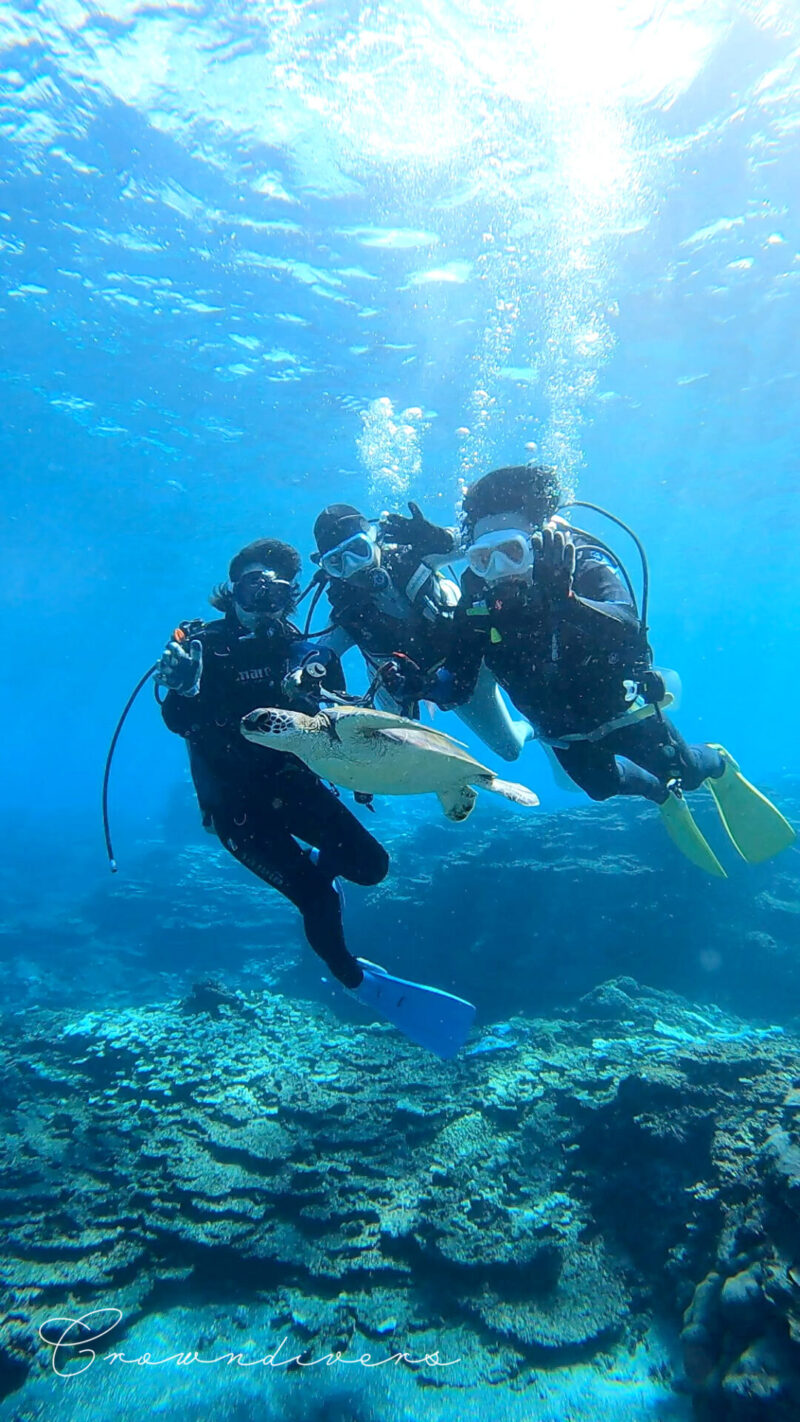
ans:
(261, 593)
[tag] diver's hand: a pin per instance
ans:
(402, 678)
(305, 680)
(392, 679)
(180, 669)
(418, 532)
(553, 563)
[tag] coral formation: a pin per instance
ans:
(532, 1202)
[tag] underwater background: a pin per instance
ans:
(257, 257)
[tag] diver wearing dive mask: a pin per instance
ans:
(385, 593)
(501, 553)
(260, 802)
(550, 610)
(260, 595)
(357, 557)
(388, 598)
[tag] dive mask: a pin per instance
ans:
(259, 591)
(503, 553)
(354, 555)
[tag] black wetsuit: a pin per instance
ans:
(261, 801)
(564, 664)
(411, 618)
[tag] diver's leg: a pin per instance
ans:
(756, 826)
(660, 755)
(697, 762)
(602, 776)
(657, 746)
(487, 714)
(313, 813)
(265, 847)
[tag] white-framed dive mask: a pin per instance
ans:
(355, 555)
(502, 553)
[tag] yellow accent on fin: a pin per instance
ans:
(684, 833)
(494, 636)
(756, 826)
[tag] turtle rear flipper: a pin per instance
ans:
(457, 801)
(520, 794)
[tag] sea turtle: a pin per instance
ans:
(377, 753)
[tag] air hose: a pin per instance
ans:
(596, 508)
(142, 682)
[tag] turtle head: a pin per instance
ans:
(279, 729)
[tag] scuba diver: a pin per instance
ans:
(552, 613)
(389, 598)
(260, 802)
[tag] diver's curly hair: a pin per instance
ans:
(281, 558)
(534, 490)
(221, 597)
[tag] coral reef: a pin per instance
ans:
(528, 1205)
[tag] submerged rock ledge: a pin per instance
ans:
(530, 1204)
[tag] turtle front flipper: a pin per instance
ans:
(457, 801)
(520, 794)
(410, 733)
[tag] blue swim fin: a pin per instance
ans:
(433, 1019)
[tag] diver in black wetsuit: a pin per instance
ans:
(389, 598)
(260, 802)
(546, 609)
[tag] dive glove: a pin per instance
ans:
(403, 679)
(180, 670)
(418, 533)
(306, 680)
(554, 563)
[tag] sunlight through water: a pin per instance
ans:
(516, 140)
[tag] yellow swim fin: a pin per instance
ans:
(682, 830)
(756, 826)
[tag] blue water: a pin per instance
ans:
(256, 257)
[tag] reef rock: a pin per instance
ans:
(539, 1203)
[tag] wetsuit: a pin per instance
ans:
(261, 801)
(564, 664)
(412, 617)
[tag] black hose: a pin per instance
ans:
(112, 863)
(596, 542)
(582, 504)
(323, 631)
(319, 577)
(312, 607)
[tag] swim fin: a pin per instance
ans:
(433, 1019)
(756, 826)
(682, 830)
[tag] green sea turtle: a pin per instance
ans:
(378, 753)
